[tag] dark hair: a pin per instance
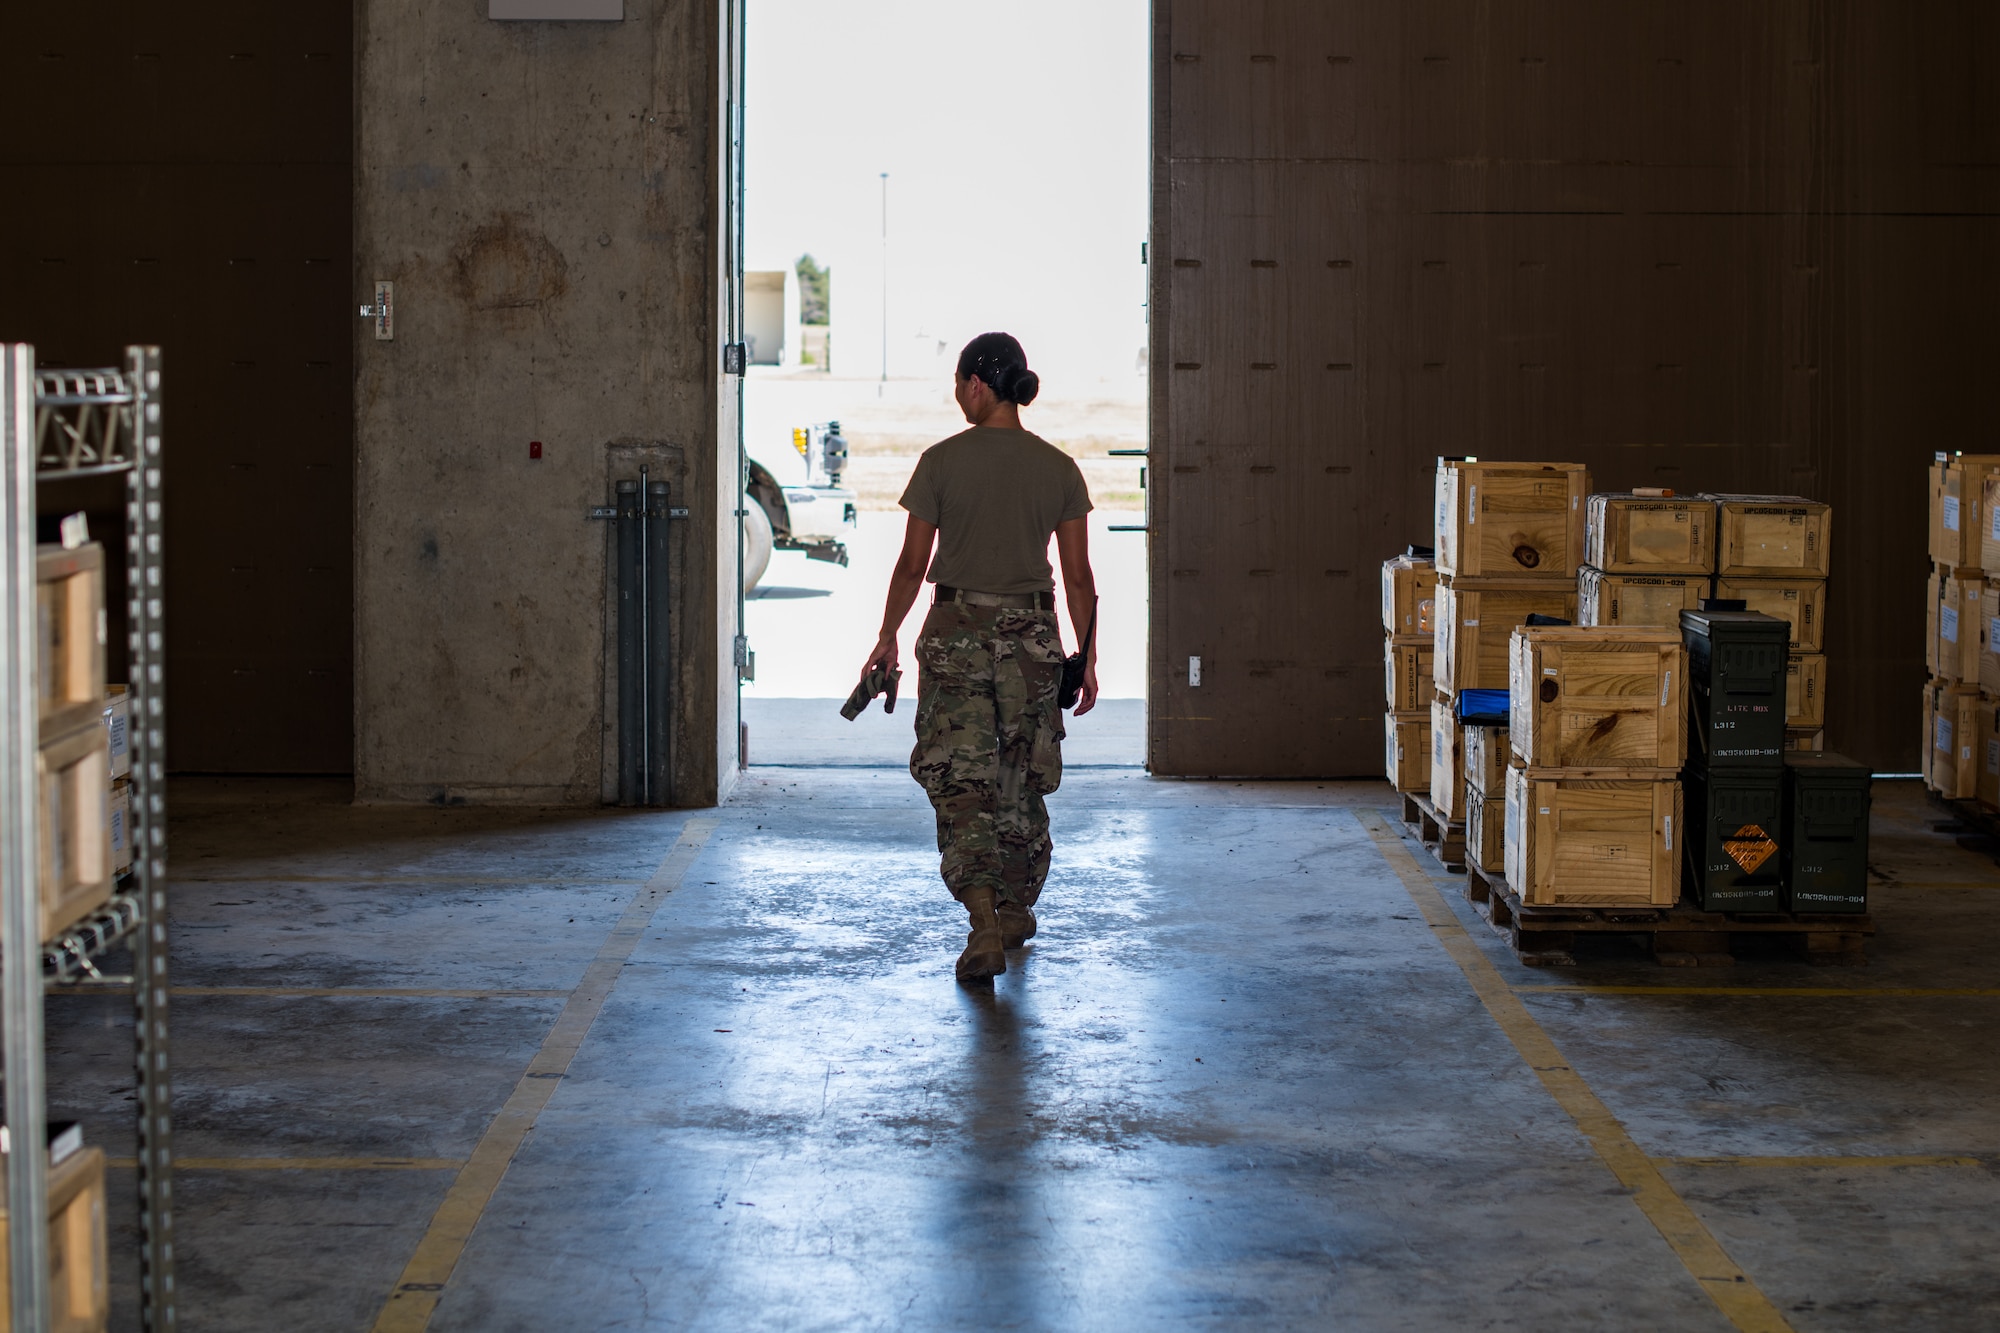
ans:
(998, 359)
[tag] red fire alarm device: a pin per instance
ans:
(534, 448)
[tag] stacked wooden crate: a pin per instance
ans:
(1408, 582)
(74, 761)
(1598, 730)
(1509, 541)
(1961, 747)
(1487, 759)
(1648, 556)
(1773, 553)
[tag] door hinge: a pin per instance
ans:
(732, 358)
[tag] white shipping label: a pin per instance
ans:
(1948, 623)
(1942, 740)
(1993, 530)
(1666, 687)
(1472, 509)
(1468, 623)
(1670, 833)
(1951, 513)
(1993, 635)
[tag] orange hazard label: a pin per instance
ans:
(1750, 848)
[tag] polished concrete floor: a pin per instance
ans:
(1249, 1076)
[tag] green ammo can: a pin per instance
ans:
(1736, 689)
(1826, 832)
(1734, 826)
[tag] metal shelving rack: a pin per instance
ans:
(60, 425)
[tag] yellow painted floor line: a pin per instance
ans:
(370, 992)
(1823, 1163)
(301, 1163)
(421, 1287)
(1732, 1290)
(1781, 992)
(565, 881)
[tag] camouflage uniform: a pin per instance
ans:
(989, 743)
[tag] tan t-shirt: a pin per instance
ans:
(996, 496)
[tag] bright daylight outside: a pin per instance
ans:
(919, 174)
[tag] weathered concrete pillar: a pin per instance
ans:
(547, 200)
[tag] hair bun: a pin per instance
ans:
(1026, 385)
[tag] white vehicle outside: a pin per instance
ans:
(811, 517)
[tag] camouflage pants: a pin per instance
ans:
(989, 743)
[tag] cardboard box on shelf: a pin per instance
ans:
(1647, 534)
(1772, 536)
(1512, 520)
(1636, 599)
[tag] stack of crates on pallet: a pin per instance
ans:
(1408, 582)
(1509, 541)
(1773, 553)
(1961, 747)
(1599, 731)
(74, 762)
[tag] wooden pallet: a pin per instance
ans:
(1680, 936)
(1442, 838)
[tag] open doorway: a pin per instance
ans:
(917, 175)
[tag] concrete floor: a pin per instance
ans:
(1240, 1080)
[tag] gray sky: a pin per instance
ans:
(1015, 138)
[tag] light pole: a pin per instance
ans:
(885, 286)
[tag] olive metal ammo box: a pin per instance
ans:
(1736, 689)
(1826, 833)
(1735, 830)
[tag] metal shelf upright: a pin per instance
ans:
(60, 425)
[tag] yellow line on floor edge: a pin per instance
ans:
(1739, 1298)
(1823, 1163)
(421, 1286)
(1777, 992)
(300, 1163)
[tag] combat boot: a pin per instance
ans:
(1017, 924)
(984, 956)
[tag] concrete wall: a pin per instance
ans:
(1708, 246)
(547, 199)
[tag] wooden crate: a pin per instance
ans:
(120, 817)
(1597, 698)
(75, 779)
(1475, 619)
(1805, 739)
(1408, 673)
(118, 728)
(1447, 762)
(1636, 599)
(1956, 720)
(1986, 754)
(1573, 841)
(1958, 620)
(1958, 489)
(1805, 692)
(1989, 639)
(1645, 534)
(1408, 758)
(79, 1282)
(1989, 527)
(1800, 603)
(1487, 758)
(1406, 584)
(69, 649)
(1510, 520)
(1486, 828)
(1774, 536)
